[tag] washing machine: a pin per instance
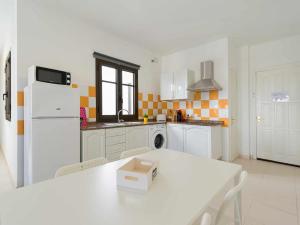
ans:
(158, 136)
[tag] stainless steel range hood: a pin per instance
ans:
(207, 82)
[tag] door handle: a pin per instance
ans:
(258, 118)
(4, 95)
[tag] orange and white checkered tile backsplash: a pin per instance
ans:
(205, 106)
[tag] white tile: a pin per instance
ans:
(170, 105)
(189, 112)
(214, 104)
(182, 105)
(140, 104)
(159, 105)
(223, 113)
(83, 90)
(197, 104)
(92, 102)
(204, 95)
(204, 112)
(150, 105)
(20, 112)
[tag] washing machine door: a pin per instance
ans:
(158, 140)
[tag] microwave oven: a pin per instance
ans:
(42, 74)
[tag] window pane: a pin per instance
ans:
(127, 77)
(108, 98)
(109, 74)
(128, 102)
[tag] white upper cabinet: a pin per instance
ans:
(174, 85)
(167, 86)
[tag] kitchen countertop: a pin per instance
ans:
(104, 125)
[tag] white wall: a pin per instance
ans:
(58, 41)
(191, 58)
(252, 59)
(8, 129)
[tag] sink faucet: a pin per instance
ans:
(119, 121)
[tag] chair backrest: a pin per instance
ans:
(65, 170)
(206, 219)
(134, 152)
(231, 195)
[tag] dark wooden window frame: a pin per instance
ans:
(7, 95)
(119, 67)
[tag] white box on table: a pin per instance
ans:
(137, 174)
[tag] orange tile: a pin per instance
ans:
(145, 104)
(159, 111)
(213, 113)
(204, 104)
(223, 103)
(164, 105)
(84, 101)
(20, 100)
(92, 112)
(92, 91)
(176, 105)
(150, 112)
(158, 97)
(197, 95)
(74, 85)
(213, 95)
(20, 127)
(169, 112)
(150, 97)
(141, 113)
(189, 104)
(155, 105)
(226, 122)
(140, 96)
(197, 112)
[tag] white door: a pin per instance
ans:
(197, 140)
(137, 137)
(53, 100)
(55, 143)
(167, 86)
(93, 144)
(278, 110)
(175, 137)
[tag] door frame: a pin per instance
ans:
(252, 100)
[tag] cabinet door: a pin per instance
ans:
(93, 144)
(183, 79)
(197, 141)
(167, 86)
(137, 137)
(175, 137)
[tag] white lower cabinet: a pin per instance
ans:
(115, 143)
(137, 137)
(175, 134)
(92, 144)
(198, 140)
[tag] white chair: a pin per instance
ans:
(65, 170)
(206, 219)
(133, 152)
(230, 197)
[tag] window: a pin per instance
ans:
(7, 94)
(117, 88)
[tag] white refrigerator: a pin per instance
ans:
(52, 130)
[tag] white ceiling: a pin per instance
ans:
(165, 26)
(168, 25)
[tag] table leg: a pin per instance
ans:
(238, 204)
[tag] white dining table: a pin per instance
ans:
(180, 193)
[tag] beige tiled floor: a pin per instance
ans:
(272, 193)
(5, 181)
